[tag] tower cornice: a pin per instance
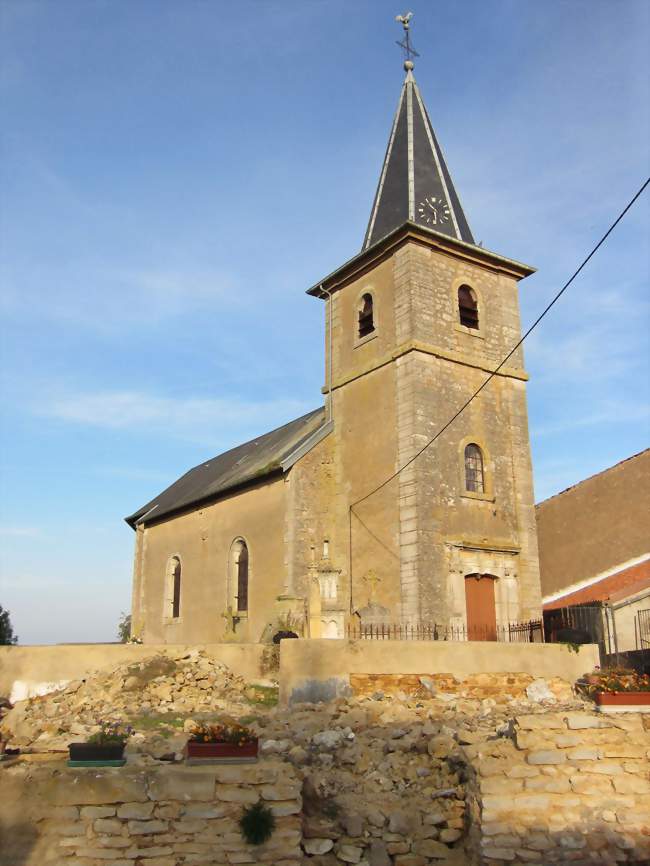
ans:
(410, 232)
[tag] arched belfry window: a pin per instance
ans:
(474, 476)
(173, 588)
(468, 307)
(240, 574)
(366, 316)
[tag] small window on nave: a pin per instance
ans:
(366, 316)
(468, 307)
(240, 562)
(474, 479)
(173, 588)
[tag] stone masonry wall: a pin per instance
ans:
(568, 787)
(154, 816)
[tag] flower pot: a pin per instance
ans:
(96, 755)
(220, 753)
(623, 702)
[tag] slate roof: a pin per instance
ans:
(415, 183)
(249, 462)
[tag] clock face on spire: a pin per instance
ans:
(434, 211)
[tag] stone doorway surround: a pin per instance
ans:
(473, 557)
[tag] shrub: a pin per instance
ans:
(257, 823)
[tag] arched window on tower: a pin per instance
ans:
(468, 307)
(173, 588)
(241, 572)
(366, 316)
(474, 479)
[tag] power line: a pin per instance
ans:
(501, 364)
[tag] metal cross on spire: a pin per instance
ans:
(405, 44)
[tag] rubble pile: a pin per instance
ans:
(192, 683)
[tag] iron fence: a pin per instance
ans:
(514, 632)
(643, 625)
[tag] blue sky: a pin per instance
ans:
(174, 175)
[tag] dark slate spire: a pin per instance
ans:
(415, 183)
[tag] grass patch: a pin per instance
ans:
(153, 722)
(248, 720)
(263, 696)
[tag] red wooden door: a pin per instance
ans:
(481, 612)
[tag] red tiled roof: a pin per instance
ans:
(624, 583)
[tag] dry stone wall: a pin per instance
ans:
(158, 816)
(568, 787)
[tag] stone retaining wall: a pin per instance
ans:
(34, 670)
(154, 816)
(320, 670)
(502, 688)
(567, 787)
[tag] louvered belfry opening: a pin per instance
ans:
(242, 578)
(474, 469)
(467, 307)
(366, 316)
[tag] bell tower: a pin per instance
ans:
(415, 323)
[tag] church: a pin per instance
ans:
(347, 516)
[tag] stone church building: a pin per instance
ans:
(324, 523)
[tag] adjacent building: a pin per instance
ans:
(594, 553)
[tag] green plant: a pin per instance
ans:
(612, 681)
(573, 647)
(124, 627)
(110, 734)
(257, 823)
(236, 734)
(263, 696)
(330, 808)
(7, 636)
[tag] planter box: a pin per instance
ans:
(220, 753)
(94, 755)
(623, 702)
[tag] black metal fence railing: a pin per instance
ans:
(643, 626)
(514, 632)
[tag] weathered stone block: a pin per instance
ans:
(135, 810)
(147, 828)
(500, 785)
(590, 784)
(541, 722)
(580, 721)
(281, 792)
(78, 787)
(318, 846)
(533, 802)
(202, 810)
(182, 783)
(236, 794)
(349, 853)
(628, 784)
(432, 849)
(522, 771)
(498, 854)
(546, 756)
(548, 785)
(584, 753)
(108, 826)
(264, 773)
(285, 807)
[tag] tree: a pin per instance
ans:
(124, 628)
(7, 635)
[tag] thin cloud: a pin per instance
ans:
(612, 412)
(19, 531)
(194, 418)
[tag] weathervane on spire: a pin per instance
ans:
(405, 44)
